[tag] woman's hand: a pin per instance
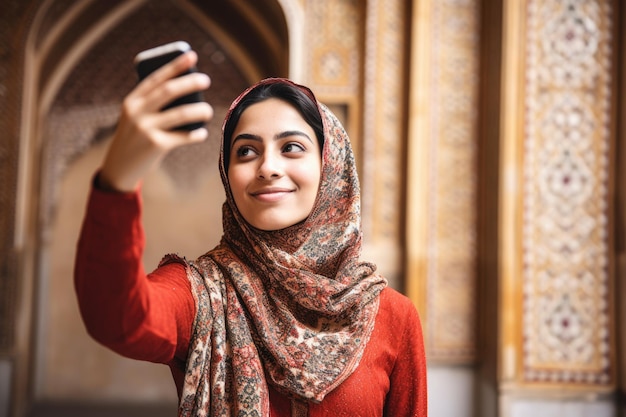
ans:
(144, 134)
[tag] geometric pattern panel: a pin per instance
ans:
(383, 144)
(383, 139)
(334, 46)
(452, 179)
(567, 308)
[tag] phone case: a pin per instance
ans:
(150, 60)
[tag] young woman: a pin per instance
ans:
(282, 318)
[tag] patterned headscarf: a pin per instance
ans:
(293, 308)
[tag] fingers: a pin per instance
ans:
(172, 89)
(167, 72)
(178, 138)
(182, 115)
(153, 132)
(162, 87)
(177, 87)
(198, 135)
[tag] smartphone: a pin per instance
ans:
(151, 59)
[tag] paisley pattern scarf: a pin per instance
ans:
(293, 308)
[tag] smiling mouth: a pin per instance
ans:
(271, 195)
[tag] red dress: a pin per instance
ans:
(150, 316)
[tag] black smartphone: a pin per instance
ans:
(151, 59)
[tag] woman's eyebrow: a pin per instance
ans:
(249, 136)
(282, 135)
(288, 133)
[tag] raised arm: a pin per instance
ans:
(141, 316)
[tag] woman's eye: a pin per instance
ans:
(244, 151)
(293, 147)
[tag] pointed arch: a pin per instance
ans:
(61, 37)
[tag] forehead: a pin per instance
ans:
(270, 112)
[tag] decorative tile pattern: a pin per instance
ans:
(334, 39)
(383, 147)
(451, 206)
(567, 306)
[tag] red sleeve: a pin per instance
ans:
(407, 394)
(147, 317)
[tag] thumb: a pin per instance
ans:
(198, 135)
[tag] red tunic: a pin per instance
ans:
(150, 316)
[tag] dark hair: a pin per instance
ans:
(303, 101)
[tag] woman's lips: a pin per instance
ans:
(270, 194)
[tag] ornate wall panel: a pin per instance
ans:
(334, 37)
(333, 64)
(384, 90)
(442, 144)
(383, 144)
(567, 312)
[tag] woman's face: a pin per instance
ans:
(275, 165)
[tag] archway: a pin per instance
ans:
(80, 59)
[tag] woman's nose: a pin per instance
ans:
(270, 167)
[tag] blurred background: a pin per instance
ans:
(490, 141)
